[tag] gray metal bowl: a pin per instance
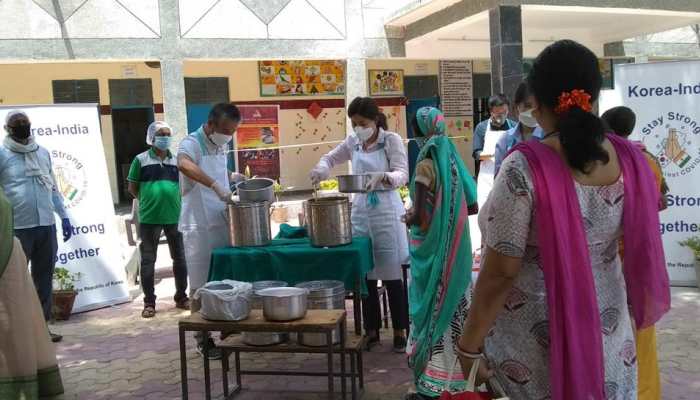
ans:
(256, 190)
(284, 303)
(352, 183)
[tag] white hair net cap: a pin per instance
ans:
(14, 113)
(153, 128)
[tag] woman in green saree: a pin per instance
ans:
(28, 367)
(443, 194)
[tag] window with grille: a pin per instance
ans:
(76, 91)
(206, 90)
(130, 92)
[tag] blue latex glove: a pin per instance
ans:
(67, 229)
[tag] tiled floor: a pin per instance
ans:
(115, 354)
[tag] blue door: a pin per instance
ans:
(197, 115)
(411, 108)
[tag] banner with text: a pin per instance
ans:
(666, 98)
(71, 133)
(259, 129)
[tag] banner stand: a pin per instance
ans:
(666, 98)
(72, 135)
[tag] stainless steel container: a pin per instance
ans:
(323, 295)
(328, 221)
(249, 224)
(284, 304)
(256, 300)
(264, 338)
(352, 183)
(256, 190)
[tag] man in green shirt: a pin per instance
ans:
(154, 181)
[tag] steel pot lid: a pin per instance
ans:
(282, 292)
(268, 284)
(325, 288)
(220, 286)
(248, 204)
(255, 184)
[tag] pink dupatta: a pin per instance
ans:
(576, 365)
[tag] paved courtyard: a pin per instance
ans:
(115, 354)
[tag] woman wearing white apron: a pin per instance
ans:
(205, 190)
(377, 214)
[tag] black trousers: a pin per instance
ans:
(150, 236)
(40, 247)
(371, 312)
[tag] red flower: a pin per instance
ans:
(575, 98)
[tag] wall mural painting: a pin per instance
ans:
(302, 78)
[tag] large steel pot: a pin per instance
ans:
(328, 221)
(249, 224)
(264, 338)
(323, 295)
(256, 190)
(352, 183)
(284, 303)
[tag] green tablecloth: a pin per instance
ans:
(294, 261)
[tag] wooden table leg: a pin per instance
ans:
(343, 384)
(353, 377)
(205, 356)
(183, 364)
(357, 307)
(329, 342)
(224, 371)
(361, 369)
(238, 369)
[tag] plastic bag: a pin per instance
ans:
(225, 300)
(472, 392)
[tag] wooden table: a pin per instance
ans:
(354, 346)
(316, 321)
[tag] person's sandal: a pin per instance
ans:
(183, 304)
(371, 342)
(399, 344)
(148, 312)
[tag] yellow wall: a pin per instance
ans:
(30, 83)
(297, 126)
(460, 128)
(242, 79)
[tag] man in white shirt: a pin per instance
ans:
(205, 189)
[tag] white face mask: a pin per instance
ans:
(527, 119)
(220, 139)
(364, 133)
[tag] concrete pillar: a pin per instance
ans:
(356, 82)
(174, 97)
(614, 49)
(505, 26)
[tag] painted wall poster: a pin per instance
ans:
(385, 82)
(302, 78)
(262, 163)
(259, 129)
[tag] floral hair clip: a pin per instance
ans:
(575, 98)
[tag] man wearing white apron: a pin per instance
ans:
(377, 213)
(486, 135)
(205, 190)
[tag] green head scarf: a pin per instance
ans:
(431, 121)
(441, 258)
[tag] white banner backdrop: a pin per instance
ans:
(71, 133)
(666, 98)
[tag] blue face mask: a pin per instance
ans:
(162, 142)
(421, 141)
